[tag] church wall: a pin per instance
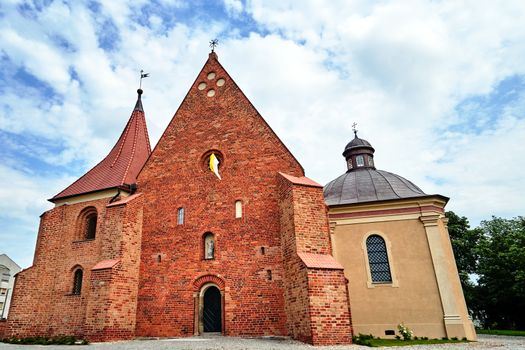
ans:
(43, 302)
(296, 299)
(329, 309)
(412, 297)
(316, 296)
(43, 295)
(111, 311)
(176, 176)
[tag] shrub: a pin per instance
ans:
(58, 340)
(405, 332)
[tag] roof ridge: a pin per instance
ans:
(388, 182)
(122, 139)
(372, 180)
(132, 149)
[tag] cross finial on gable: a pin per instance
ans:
(213, 44)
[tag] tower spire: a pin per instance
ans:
(119, 169)
(138, 105)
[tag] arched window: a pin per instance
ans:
(87, 224)
(378, 259)
(209, 246)
(77, 281)
(91, 226)
(238, 209)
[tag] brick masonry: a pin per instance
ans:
(316, 297)
(144, 273)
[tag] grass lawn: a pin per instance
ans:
(376, 342)
(501, 332)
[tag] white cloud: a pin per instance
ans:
(233, 7)
(399, 69)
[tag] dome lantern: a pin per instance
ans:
(359, 153)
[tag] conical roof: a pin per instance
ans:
(123, 163)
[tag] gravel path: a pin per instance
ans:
(232, 343)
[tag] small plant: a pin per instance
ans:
(363, 339)
(58, 340)
(405, 332)
(398, 337)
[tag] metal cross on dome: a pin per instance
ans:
(213, 44)
(354, 126)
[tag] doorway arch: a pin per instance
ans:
(209, 297)
(212, 310)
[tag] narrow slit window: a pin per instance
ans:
(378, 259)
(77, 282)
(269, 274)
(180, 216)
(238, 209)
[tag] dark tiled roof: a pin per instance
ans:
(369, 185)
(356, 143)
(123, 163)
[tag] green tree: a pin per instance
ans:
(501, 270)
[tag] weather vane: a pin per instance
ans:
(142, 76)
(213, 44)
(354, 128)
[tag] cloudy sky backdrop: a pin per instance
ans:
(437, 87)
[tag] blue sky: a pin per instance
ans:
(436, 87)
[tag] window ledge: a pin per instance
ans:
(84, 240)
(392, 284)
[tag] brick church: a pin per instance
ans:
(194, 237)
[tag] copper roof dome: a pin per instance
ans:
(369, 185)
(363, 182)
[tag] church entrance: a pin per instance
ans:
(212, 315)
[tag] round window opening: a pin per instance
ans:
(213, 162)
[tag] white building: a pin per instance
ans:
(8, 269)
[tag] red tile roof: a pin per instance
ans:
(320, 261)
(123, 163)
(303, 180)
(105, 264)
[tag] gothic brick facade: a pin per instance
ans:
(218, 230)
(176, 250)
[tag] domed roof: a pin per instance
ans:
(357, 142)
(369, 185)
